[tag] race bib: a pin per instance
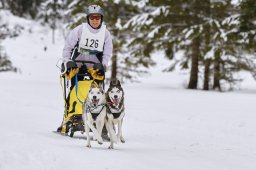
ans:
(91, 42)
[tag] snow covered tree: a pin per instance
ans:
(53, 14)
(5, 63)
(219, 24)
(247, 31)
(150, 27)
(247, 35)
(23, 8)
(117, 13)
(228, 45)
(2, 4)
(170, 26)
(248, 18)
(205, 31)
(218, 52)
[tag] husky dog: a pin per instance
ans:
(95, 113)
(115, 111)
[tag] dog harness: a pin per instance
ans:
(94, 110)
(116, 112)
(111, 109)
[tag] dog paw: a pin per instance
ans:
(122, 140)
(88, 146)
(100, 141)
(110, 147)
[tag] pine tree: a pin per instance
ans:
(150, 27)
(24, 8)
(2, 4)
(247, 35)
(206, 32)
(247, 30)
(53, 14)
(5, 63)
(116, 18)
(248, 18)
(170, 26)
(227, 45)
(219, 54)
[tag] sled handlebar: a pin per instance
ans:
(85, 62)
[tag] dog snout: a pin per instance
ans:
(115, 96)
(94, 97)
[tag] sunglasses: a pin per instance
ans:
(92, 17)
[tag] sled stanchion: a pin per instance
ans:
(65, 94)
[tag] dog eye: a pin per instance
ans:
(98, 93)
(118, 91)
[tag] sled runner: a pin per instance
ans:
(76, 83)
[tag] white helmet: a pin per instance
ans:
(94, 9)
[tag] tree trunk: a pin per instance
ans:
(194, 66)
(3, 4)
(114, 66)
(206, 74)
(53, 36)
(114, 56)
(53, 29)
(216, 79)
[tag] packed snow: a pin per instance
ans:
(165, 127)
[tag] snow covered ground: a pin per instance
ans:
(166, 127)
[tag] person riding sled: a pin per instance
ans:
(87, 51)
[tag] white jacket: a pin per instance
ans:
(75, 35)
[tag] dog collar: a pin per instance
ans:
(92, 108)
(118, 110)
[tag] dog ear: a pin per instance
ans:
(115, 82)
(100, 86)
(94, 85)
(118, 83)
(101, 90)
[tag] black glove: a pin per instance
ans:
(67, 65)
(100, 67)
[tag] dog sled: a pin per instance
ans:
(76, 83)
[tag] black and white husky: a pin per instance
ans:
(95, 113)
(115, 111)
